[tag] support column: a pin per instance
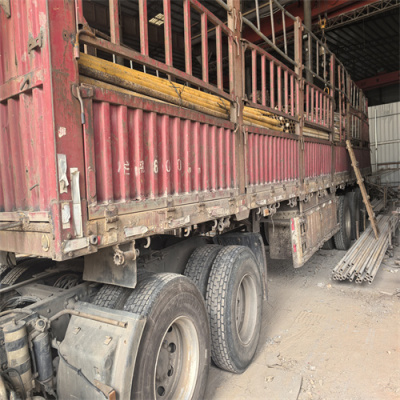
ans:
(307, 23)
(237, 90)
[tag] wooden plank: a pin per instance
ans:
(364, 194)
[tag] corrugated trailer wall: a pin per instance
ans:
(39, 122)
(272, 158)
(144, 155)
(147, 152)
(131, 154)
(384, 136)
(26, 158)
(317, 159)
(343, 163)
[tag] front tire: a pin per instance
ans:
(173, 356)
(234, 302)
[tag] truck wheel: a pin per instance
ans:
(173, 356)
(343, 237)
(19, 273)
(234, 307)
(354, 203)
(112, 297)
(329, 244)
(361, 206)
(25, 270)
(199, 265)
(264, 233)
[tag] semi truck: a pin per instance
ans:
(148, 153)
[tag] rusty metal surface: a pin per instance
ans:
(311, 229)
(25, 109)
(74, 163)
(317, 158)
(342, 159)
(140, 154)
(271, 159)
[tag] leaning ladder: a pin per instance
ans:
(364, 194)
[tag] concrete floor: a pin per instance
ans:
(322, 339)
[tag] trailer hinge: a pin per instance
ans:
(34, 43)
(5, 5)
(302, 143)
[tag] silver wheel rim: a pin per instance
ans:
(347, 223)
(246, 309)
(177, 364)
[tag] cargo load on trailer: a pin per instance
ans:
(148, 152)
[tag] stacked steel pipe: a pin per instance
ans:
(103, 73)
(362, 261)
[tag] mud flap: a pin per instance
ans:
(311, 230)
(96, 355)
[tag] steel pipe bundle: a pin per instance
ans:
(172, 92)
(362, 261)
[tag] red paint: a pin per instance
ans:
(271, 159)
(133, 149)
(318, 159)
(169, 155)
(390, 78)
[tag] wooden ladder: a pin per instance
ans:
(360, 182)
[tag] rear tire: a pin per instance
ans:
(343, 237)
(354, 203)
(112, 297)
(329, 244)
(361, 207)
(199, 265)
(234, 301)
(173, 356)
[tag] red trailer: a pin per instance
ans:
(139, 177)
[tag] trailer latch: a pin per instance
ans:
(34, 43)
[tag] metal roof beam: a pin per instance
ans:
(374, 82)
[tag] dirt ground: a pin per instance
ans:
(322, 339)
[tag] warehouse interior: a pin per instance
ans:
(200, 199)
(303, 346)
(308, 356)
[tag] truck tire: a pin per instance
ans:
(264, 233)
(354, 203)
(343, 237)
(199, 265)
(174, 352)
(329, 244)
(110, 296)
(114, 297)
(4, 270)
(361, 207)
(234, 301)
(19, 273)
(25, 270)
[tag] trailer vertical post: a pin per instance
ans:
(236, 90)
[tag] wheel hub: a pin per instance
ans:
(177, 362)
(246, 314)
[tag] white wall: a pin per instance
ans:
(384, 136)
